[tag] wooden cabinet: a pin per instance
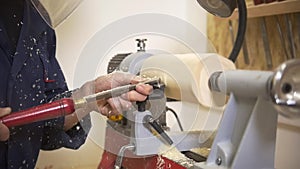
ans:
(276, 14)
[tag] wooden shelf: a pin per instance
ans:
(274, 8)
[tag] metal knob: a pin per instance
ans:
(285, 88)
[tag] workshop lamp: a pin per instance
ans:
(222, 8)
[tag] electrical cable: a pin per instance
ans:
(242, 9)
(176, 116)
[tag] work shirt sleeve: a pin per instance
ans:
(54, 136)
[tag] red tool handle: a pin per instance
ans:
(42, 112)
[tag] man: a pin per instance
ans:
(30, 76)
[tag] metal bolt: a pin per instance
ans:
(219, 161)
(141, 45)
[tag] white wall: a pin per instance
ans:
(287, 144)
(95, 15)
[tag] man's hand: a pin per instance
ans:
(4, 131)
(116, 105)
(112, 106)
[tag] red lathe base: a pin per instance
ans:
(114, 141)
(155, 162)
